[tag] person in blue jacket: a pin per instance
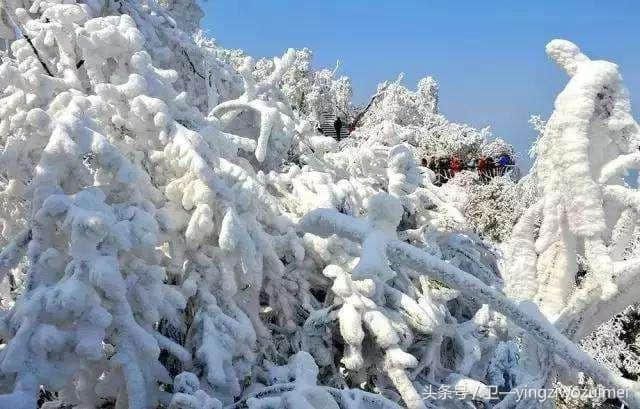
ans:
(503, 162)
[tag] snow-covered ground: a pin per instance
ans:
(177, 233)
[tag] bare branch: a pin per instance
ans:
(193, 68)
(360, 114)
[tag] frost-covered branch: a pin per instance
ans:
(326, 222)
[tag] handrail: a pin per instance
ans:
(444, 175)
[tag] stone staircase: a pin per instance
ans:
(326, 124)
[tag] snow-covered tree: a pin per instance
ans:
(569, 251)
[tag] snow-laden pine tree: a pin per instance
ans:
(176, 234)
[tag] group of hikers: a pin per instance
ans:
(446, 167)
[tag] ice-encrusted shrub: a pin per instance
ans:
(491, 208)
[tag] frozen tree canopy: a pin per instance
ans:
(176, 233)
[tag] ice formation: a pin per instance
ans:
(571, 252)
(175, 233)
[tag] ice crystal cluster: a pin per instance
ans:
(176, 233)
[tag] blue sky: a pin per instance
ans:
(488, 57)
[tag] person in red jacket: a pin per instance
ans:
(456, 165)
